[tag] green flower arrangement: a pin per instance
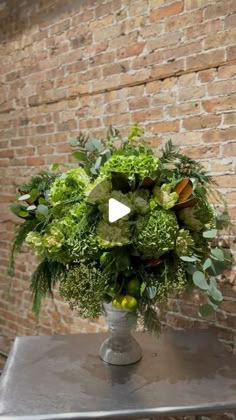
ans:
(166, 244)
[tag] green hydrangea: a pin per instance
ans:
(164, 197)
(184, 242)
(36, 243)
(69, 186)
(198, 217)
(156, 233)
(115, 234)
(144, 165)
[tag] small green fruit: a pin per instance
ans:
(129, 302)
(133, 287)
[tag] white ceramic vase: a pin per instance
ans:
(120, 348)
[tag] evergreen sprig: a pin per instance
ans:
(43, 280)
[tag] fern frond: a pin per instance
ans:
(151, 321)
(21, 233)
(43, 281)
(170, 152)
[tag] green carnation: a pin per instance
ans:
(164, 197)
(184, 242)
(35, 241)
(69, 187)
(156, 233)
(196, 218)
(115, 234)
(143, 165)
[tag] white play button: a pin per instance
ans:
(117, 210)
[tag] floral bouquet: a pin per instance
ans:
(167, 243)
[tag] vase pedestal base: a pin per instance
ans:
(123, 352)
(120, 348)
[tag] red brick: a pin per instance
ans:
(164, 127)
(200, 122)
(169, 10)
(209, 59)
(131, 50)
(220, 104)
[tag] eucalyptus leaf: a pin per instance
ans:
(207, 264)
(81, 156)
(210, 233)
(15, 208)
(200, 281)
(98, 163)
(218, 254)
(42, 210)
(73, 142)
(213, 291)
(188, 259)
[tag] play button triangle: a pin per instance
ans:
(117, 210)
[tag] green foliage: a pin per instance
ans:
(43, 280)
(85, 287)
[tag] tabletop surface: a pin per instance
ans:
(181, 372)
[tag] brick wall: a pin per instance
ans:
(82, 65)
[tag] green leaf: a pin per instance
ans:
(190, 268)
(34, 194)
(218, 254)
(81, 156)
(15, 208)
(42, 200)
(142, 288)
(206, 310)
(207, 264)
(200, 281)
(54, 166)
(189, 259)
(42, 210)
(73, 142)
(24, 197)
(23, 213)
(213, 291)
(210, 233)
(98, 163)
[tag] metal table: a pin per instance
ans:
(62, 377)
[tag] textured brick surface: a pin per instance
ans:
(66, 66)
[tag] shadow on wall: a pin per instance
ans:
(18, 15)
